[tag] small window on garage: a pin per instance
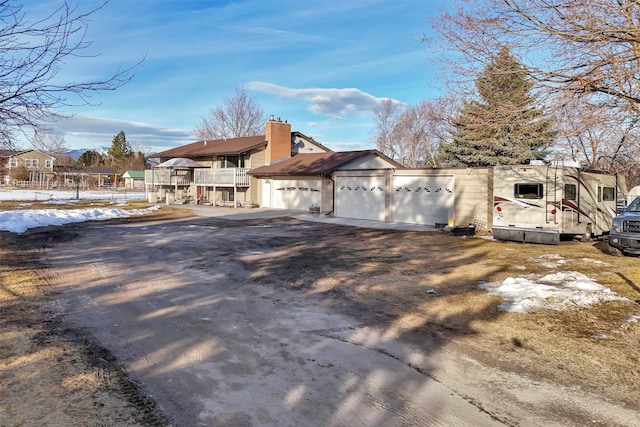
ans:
(528, 191)
(608, 194)
(570, 192)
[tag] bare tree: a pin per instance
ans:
(580, 47)
(238, 116)
(33, 53)
(385, 135)
(412, 134)
(49, 142)
(599, 136)
(588, 52)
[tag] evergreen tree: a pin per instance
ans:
(91, 158)
(504, 126)
(120, 148)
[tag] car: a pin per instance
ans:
(624, 236)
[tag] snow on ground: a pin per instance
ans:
(42, 195)
(20, 220)
(553, 291)
(522, 294)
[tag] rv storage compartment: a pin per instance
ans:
(527, 235)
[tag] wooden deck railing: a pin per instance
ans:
(206, 177)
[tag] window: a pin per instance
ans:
(570, 192)
(608, 194)
(527, 191)
(232, 161)
(227, 195)
(31, 163)
(13, 163)
(48, 164)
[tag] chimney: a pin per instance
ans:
(278, 134)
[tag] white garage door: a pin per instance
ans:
(360, 197)
(296, 194)
(422, 199)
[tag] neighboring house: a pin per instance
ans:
(223, 178)
(133, 180)
(33, 160)
(39, 165)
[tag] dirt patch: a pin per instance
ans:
(417, 287)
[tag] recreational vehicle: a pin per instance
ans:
(539, 203)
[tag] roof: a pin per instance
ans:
(217, 147)
(21, 152)
(134, 174)
(317, 163)
(88, 170)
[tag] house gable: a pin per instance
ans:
(369, 161)
(300, 143)
(133, 174)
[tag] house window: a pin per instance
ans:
(528, 191)
(13, 163)
(570, 192)
(608, 194)
(31, 163)
(232, 161)
(227, 196)
(48, 164)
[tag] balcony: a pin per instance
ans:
(203, 177)
(223, 177)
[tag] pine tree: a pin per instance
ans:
(504, 126)
(120, 148)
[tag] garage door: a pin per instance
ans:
(296, 194)
(422, 199)
(360, 197)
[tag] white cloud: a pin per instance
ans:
(335, 103)
(86, 131)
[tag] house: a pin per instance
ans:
(133, 180)
(38, 165)
(222, 178)
(32, 160)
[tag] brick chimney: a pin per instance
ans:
(278, 134)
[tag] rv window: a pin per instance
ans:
(608, 194)
(527, 191)
(570, 192)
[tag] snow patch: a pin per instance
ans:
(555, 291)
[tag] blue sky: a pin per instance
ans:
(321, 66)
